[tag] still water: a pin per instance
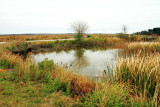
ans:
(92, 63)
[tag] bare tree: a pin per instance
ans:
(124, 29)
(79, 28)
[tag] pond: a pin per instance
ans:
(88, 62)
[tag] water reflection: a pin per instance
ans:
(80, 60)
(89, 62)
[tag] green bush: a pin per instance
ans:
(56, 85)
(145, 38)
(19, 46)
(47, 65)
(123, 36)
(4, 64)
(11, 48)
(133, 37)
(88, 36)
(23, 46)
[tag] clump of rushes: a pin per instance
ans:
(141, 72)
(25, 70)
(8, 60)
(145, 47)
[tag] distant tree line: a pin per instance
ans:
(154, 31)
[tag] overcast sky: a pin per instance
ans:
(55, 16)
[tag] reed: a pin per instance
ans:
(141, 72)
(136, 83)
(145, 47)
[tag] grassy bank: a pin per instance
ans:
(72, 44)
(39, 46)
(25, 83)
(30, 84)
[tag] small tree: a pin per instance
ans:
(79, 28)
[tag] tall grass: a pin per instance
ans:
(145, 47)
(137, 76)
(98, 41)
(141, 72)
(26, 70)
(113, 95)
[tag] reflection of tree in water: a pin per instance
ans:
(81, 60)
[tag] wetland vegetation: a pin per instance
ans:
(134, 81)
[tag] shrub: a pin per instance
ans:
(145, 38)
(123, 36)
(57, 85)
(4, 64)
(88, 36)
(134, 37)
(47, 65)
(22, 45)
(81, 87)
(11, 48)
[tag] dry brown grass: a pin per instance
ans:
(47, 37)
(79, 85)
(12, 59)
(142, 72)
(33, 37)
(145, 47)
(20, 67)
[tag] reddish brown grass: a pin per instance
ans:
(33, 37)
(79, 85)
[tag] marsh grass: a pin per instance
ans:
(136, 80)
(144, 47)
(24, 70)
(141, 72)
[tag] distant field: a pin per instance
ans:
(4, 38)
(34, 37)
(28, 37)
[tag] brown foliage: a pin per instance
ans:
(33, 37)
(81, 86)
